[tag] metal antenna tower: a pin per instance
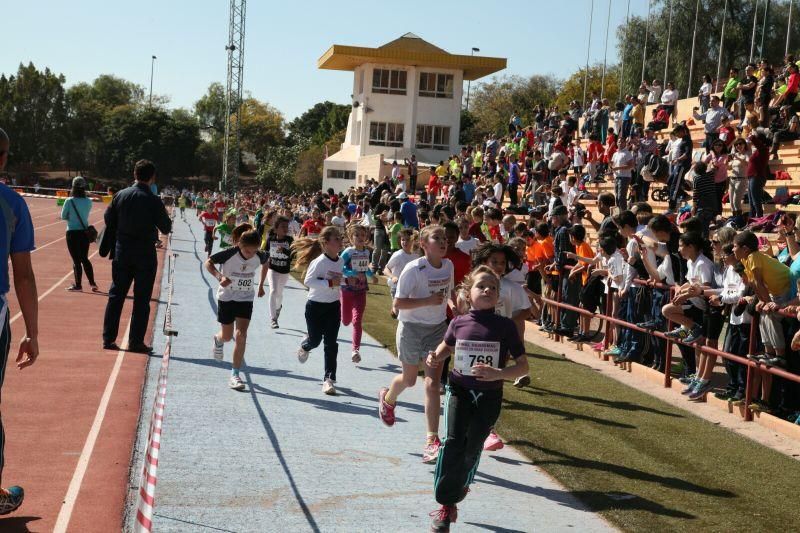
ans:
(233, 95)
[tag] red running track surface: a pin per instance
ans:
(48, 409)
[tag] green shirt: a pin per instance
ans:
(730, 88)
(224, 231)
(394, 235)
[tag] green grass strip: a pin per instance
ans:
(641, 463)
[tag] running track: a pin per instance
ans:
(70, 419)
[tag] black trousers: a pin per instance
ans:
(512, 193)
(5, 346)
(412, 184)
(78, 246)
(322, 321)
(126, 270)
(469, 415)
(209, 240)
(737, 342)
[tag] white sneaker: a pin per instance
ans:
(218, 351)
(328, 388)
(236, 383)
(356, 357)
(302, 355)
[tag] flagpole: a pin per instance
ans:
(646, 30)
(605, 54)
(721, 39)
(588, 44)
(622, 68)
(691, 60)
(669, 35)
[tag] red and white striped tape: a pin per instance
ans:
(147, 483)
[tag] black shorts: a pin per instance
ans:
(228, 312)
(534, 282)
(712, 323)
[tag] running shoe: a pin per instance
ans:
(302, 354)
(274, 324)
(700, 391)
(431, 452)
(218, 349)
(328, 388)
(442, 518)
(10, 499)
(678, 333)
(614, 351)
(493, 443)
(236, 383)
(522, 382)
(356, 357)
(385, 411)
(775, 361)
(690, 387)
(695, 334)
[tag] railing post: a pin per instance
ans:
(557, 317)
(751, 349)
(609, 310)
(668, 350)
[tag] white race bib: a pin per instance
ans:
(242, 282)
(471, 353)
(360, 264)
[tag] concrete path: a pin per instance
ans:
(281, 456)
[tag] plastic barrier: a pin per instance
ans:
(147, 482)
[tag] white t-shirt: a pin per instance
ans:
(665, 270)
(498, 191)
(616, 270)
(339, 221)
(700, 272)
(420, 279)
(468, 245)
(241, 272)
(512, 300)
(518, 275)
(622, 158)
(318, 276)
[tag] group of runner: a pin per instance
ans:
(448, 305)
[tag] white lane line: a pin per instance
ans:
(51, 289)
(65, 513)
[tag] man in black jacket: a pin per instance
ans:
(135, 215)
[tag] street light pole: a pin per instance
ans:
(152, 67)
(470, 81)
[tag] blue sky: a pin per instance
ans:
(85, 38)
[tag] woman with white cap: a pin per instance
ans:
(76, 211)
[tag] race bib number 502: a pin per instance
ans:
(471, 353)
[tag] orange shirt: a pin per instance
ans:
(544, 251)
(584, 249)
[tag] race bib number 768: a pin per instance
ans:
(471, 353)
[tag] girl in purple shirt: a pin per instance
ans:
(481, 342)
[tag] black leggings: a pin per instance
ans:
(322, 321)
(78, 246)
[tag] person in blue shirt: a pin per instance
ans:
(16, 243)
(409, 211)
(76, 212)
(627, 120)
(513, 180)
(469, 189)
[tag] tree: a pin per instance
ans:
(261, 126)
(276, 169)
(572, 89)
(467, 128)
(210, 109)
(497, 100)
(320, 122)
(735, 50)
(33, 110)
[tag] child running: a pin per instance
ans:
(280, 258)
(356, 270)
(225, 229)
(482, 342)
(210, 221)
(235, 295)
(423, 289)
(323, 275)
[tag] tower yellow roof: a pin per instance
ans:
(410, 50)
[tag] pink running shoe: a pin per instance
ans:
(598, 347)
(492, 442)
(385, 411)
(442, 518)
(431, 452)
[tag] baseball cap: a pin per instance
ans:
(402, 196)
(558, 210)
(79, 182)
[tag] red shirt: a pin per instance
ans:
(219, 207)
(595, 151)
(793, 83)
(461, 267)
(313, 227)
(475, 231)
(494, 233)
(209, 220)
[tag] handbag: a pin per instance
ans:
(90, 231)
